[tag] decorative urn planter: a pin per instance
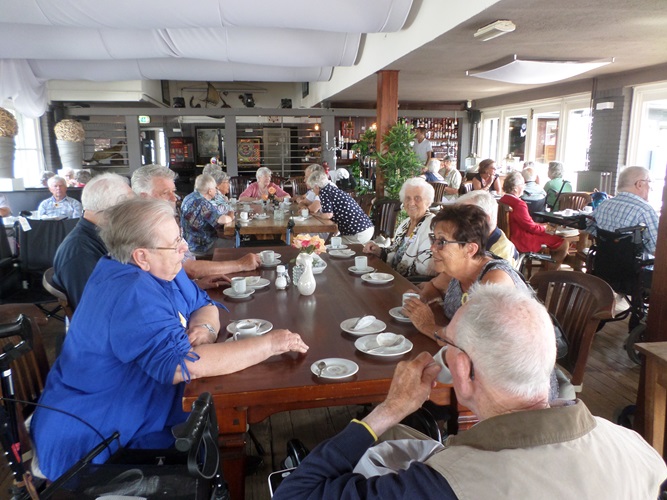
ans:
(8, 130)
(69, 137)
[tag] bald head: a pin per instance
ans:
(635, 180)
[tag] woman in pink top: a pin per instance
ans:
(261, 189)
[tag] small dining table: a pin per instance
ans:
(286, 382)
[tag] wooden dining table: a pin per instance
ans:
(285, 382)
(261, 221)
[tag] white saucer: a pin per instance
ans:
(377, 278)
(376, 326)
(319, 264)
(256, 282)
(365, 270)
(342, 254)
(261, 216)
(269, 266)
(336, 368)
(263, 326)
(369, 345)
(229, 292)
(339, 247)
(395, 312)
(298, 218)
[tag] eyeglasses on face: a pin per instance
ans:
(179, 245)
(444, 340)
(440, 243)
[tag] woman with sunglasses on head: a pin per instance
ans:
(458, 241)
(410, 251)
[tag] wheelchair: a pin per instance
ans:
(618, 258)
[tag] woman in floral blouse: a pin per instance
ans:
(410, 252)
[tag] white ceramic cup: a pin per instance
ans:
(245, 329)
(361, 262)
(445, 376)
(336, 241)
(408, 296)
(267, 256)
(239, 284)
(305, 213)
(244, 215)
(568, 212)
(587, 209)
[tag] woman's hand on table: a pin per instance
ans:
(421, 316)
(372, 248)
(285, 341)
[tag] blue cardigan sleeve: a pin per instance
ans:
(327, 473)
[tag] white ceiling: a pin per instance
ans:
(336, 45)
(634, 32)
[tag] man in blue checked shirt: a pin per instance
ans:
(629, 207)
(59, 205)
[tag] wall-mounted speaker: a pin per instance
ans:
(474, 116)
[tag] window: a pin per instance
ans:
(28, 158)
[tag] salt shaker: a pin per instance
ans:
(281, 280)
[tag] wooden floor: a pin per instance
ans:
(610, 384)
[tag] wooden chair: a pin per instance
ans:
(384, 217)
(279, 180)
(466, 187)
(575, 201)
(61, 295)
(439, 191)
(579, 302)
(365, 201)
(238, 184)
(298, 185)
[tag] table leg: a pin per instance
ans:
(232, 454)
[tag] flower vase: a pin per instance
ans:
(307, 283)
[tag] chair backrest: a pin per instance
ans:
(504, 219)
(465, 187)
(61, 295)
(536, 205)
(238, 184)
(37, 247)
(579, 302)
(385, 213)
(298, 185)
(616, 257)
(439, 190)
(575, 201)
(365, 201)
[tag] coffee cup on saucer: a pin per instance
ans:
(445, 376)
(245, 329)
(239, 285)
(305, 213)
(587, 209)
(361, 262)
(268, 257)
(336, 241)
(244, 216)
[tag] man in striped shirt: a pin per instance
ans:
(629, 207)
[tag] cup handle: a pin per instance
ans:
(235, 336)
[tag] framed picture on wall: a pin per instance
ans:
(209, 144)
(248, 152)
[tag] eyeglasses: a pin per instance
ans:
(440, 243)
(176, 249)
(450, 343)
(643, 180)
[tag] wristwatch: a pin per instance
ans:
(210, 329)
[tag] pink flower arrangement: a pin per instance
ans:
(309, 244)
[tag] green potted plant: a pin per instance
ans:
(399, 162)
(364, 151)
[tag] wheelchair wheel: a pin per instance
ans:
(636, 335)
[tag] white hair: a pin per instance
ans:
(142, 178)
(56, 179)
(132, 224)
(555, 170)
(317, 179)
(427, 191)
(528, 174)
(204, 182)
(105, 191)
(484, 200)
(263, 172)
(512, 347)
(433, 165)
(215, 171)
